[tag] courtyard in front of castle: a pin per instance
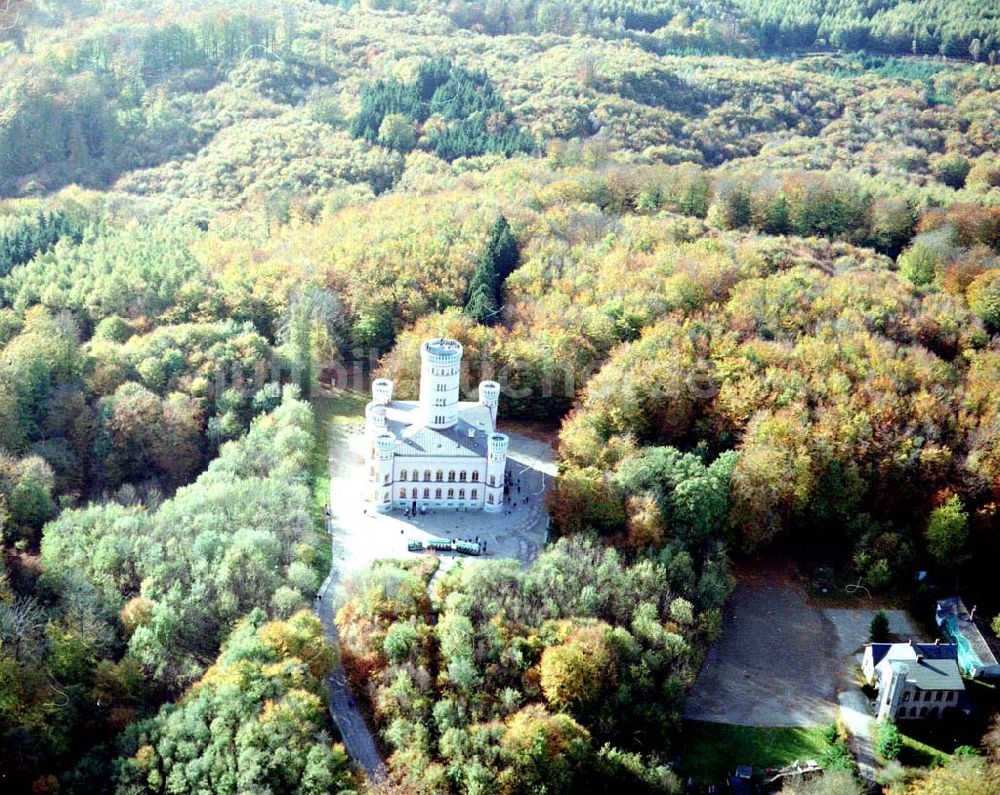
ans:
(360, 535)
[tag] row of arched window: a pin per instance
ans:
(931, 695)
(439, 475)
(933, 713)
(473, 495)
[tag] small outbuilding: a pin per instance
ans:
(978, 648)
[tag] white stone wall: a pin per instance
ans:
(897, 694)
(381, 471)
(445, 465)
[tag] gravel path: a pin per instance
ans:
(357, 737)
(860, 724)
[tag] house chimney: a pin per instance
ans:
(972, 615)
(920, 659)
(910, 641)
(937, 641)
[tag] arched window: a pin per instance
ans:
(437, 494)
(475, 477)
(475, 494)
(906, 696)
(427, 474)
(387, 478)
(451, 476)
(461, 476)
(427, 494)
(402, 474)
(451, 494)
(414, 494)
(385, 497)
(402, 494)
(493, 480)
(461, 494)
(489, 498)
(440, 475)
(913, 712)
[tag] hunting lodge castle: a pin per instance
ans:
(438, 451)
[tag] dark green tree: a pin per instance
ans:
(880, 627)
(497, 262)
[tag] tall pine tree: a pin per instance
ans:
(497, 262)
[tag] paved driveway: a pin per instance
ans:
(853, 629)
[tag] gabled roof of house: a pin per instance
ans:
(926, 665)
(929, 651)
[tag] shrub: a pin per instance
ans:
(838, 757)
(927, 253)
(888, 740)
(984, 297)
(952, 169)
(830, 733)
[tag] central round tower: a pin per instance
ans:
(440, 375)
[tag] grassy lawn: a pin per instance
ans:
(711, 751)
(331, 414)
(919, 754)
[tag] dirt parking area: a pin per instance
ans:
(780, 661)
(774, 663)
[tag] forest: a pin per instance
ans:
(741, 257)
(581, 656)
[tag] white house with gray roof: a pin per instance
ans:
(915, 680)
(438, 451)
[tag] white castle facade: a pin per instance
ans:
(438, 451)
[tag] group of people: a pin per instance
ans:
(512, 484)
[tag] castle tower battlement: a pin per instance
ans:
(440, 377)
